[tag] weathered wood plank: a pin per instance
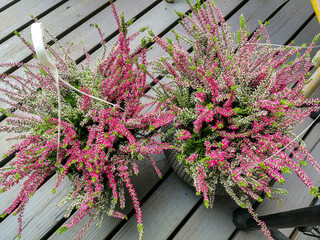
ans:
(288, 20)
(8, 197)
(13, 18)
(302, 236)
(307, 34)
(4, 144)
(5, 3)
(213, 224)
(254, 11)
(163, 211)
(40, 212)
(226, 6)
(57, 22)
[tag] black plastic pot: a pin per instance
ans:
(178, 168)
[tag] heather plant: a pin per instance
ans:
(100, 141)
(236, 99)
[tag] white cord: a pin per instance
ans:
(44, 58)
(275, 45)
(294, 138)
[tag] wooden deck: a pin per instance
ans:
(171, 210)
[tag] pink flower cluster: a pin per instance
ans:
(237, 103)
(183, 135)
(99, 143)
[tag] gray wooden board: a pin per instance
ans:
(163, 211)
(301, 236)
(5, 2)
(40, 212)
(213, 224)
(8, 197)
(226, 6)
(308, 33)
(288, 20)
(6, 145)
(252, 12)
(56, 22)
(14, 17)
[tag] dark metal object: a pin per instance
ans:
(171, 156)
(178, 168)
(278, 235)
(315, 114)
(310, 231)
(303, 217)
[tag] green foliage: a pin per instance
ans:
(180, 14)
(316, 38)
(242, 22)
(62, 229)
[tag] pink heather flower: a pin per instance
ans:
(192, 157)
(234, 97)
(99, 142)
(200, 96)
(183, 135)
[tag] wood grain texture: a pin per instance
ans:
(8, 197)
(4, 3)
(57, 22)
(288, 20)
(163, 211)
(14, 17)
(301, 236)
(40, 213)
(4, 144)
(253, 11)
(213, 224)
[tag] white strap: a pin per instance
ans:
(44, 58)
(37, 39)
(39, 47)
